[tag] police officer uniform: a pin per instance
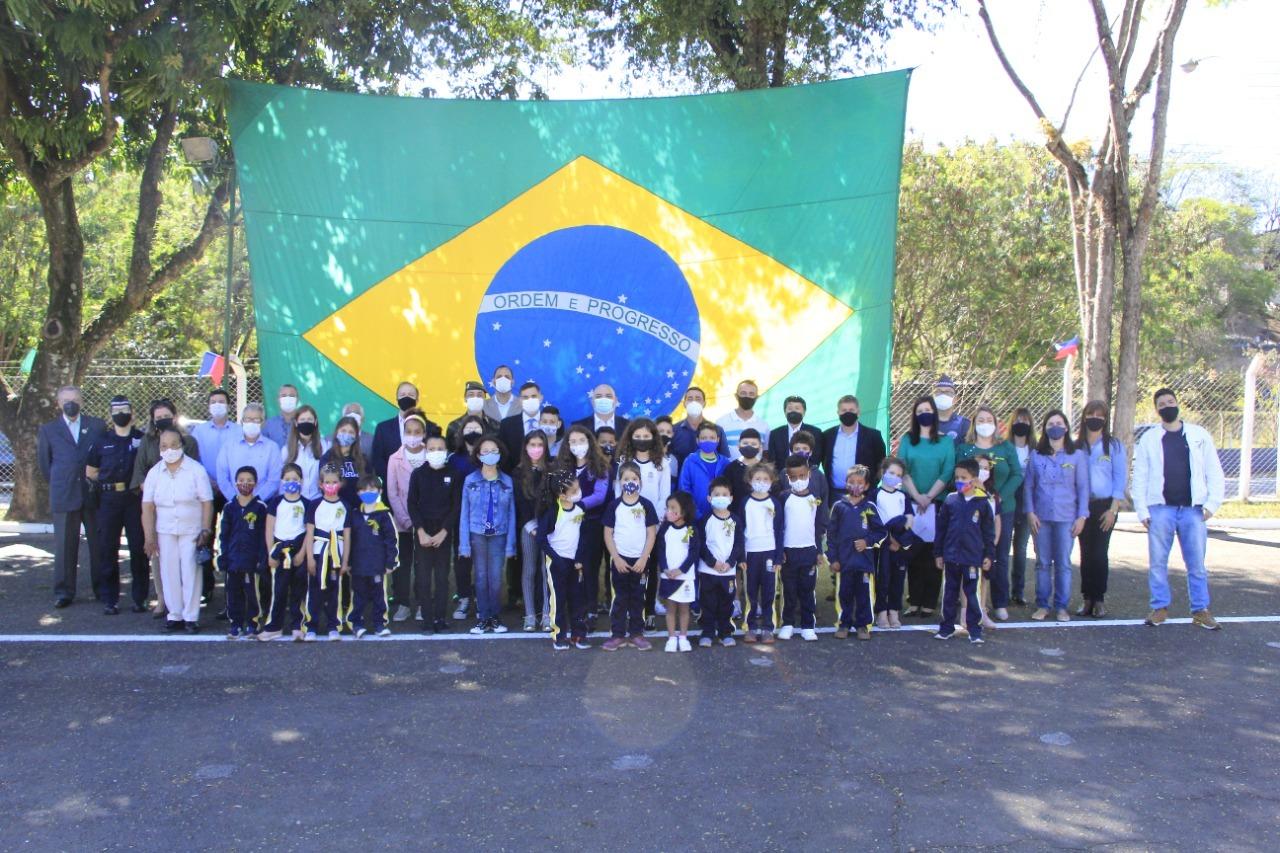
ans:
(119, 509)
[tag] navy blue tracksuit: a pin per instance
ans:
(851, 521)
(965, 536)
(374, 548)
(761, 579)
(244, 556)
(800, 566)
(288, 583)
(566, 584)
(120, 509)
(715, 590)
(891, 566)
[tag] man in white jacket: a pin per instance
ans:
(1177, 487)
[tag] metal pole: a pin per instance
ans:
(1246, 426)
(1067, 394)
(231, 250)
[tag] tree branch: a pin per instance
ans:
(1128, 38)
(62, 169)
(144, 228)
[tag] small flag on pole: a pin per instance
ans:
(1066, 348)
(213, 366)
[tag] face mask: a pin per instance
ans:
(217, 410)
(251, 430)
(369, 497)
(746, 403)
(1094, 424)
(345, 439)
(795, 418)
(531, 405)
(71, 409)
(406, 402)
(603, 405)
(1055, 432)
(288, 404)
(291, 487)
(535, 451)
(171, 455)
(760, 487)
(330, 489)
(470, 438)
(502, 385)
(355, 416)
(963, 486)
(642, 445)
(891, 480)
(926, 419)
(578, 450)
(474, 405)
(693, 408)
(607, 449)
(246, 489)
(748, 452)
(631, 487)
(1021, 430)
(720, 502)
(1168, 414)
(436, 458)
(306, 429)
(800, 485)
(855, 489)
(984, 474)
(415, 458)
(708, 447)
(121, 419)
(664, 439)
(413, 442)
(673, 516)
(985, 430)
(163, 424)
(490, 458)
(574, 496)
(944, 402)
(848, 418)
(549, 431)
(802, 453)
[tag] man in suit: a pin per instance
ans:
(514, 428)
(63, 450)
(604, 412)
(850, 444)
(794, 408)
(389, 434)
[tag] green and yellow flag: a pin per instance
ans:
(650, 243)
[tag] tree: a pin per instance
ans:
(746, 44)
(1111, 214)
(100, 81)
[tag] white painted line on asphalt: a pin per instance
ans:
(218, 637)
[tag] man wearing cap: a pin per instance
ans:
(109, 468)
(475, 399)
(950, 422)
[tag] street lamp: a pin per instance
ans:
(203, 151)
(1192, 64)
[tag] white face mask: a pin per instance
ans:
(416, 458)
(251, 430)
(474, 405)
(985, 430)
(694, 408)
(436, 458)
(800, 485)
(171, 455)
(413, 442)
(217, 410)
(944, 402)
(578, 450)
(760, 487)
(288, 404)
(531, 405)
(502, 385)
(984, 474)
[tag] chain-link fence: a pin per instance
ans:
(1214, 400)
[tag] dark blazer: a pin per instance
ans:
(780, 438)
(619, 424)
(871, 452)
(386, 441)
(62, 461)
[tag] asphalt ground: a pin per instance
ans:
(1099, 735)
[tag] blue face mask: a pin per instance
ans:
(891, 480)
(1055, 432)
(630, 488)
(369, 497)
(603, 405)
(963, 486)
(346, 439)
(490, 458)
(720, 502)
(291, 487)
(708, 447)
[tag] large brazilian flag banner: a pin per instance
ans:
(650, 243)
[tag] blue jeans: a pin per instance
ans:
(1187, 522)
(1053, 563)
(1018, 565)
(488, 557)
(998, 577)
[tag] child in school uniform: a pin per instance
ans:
(286, 536)
(374, 551)
(897, 513)
(630, 529)
(803, 528)
(965, 544)
(679, 544)
(722, 550)
(432, 504)
(244, 554)
(564, 548)
(986, 470)
(852, 537)
(639, 444)
(762, 520)
(327, 546)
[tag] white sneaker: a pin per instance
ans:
(808, 634)
(683, 644)
(728, 642)
(737, 609)
(786, 632)
(417, 614)
(1002, 614)
(673, 645)
(478, 628)
(401, 614)
(460, 612)
(360, 632)
(498, 627)
(659, 609)
(530, 624)
(268, 636)
(309, 637)
(384, 631)
(334, 636)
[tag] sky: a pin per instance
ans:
(1224, 113)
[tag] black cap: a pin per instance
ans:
(473, 385)
(121, 400)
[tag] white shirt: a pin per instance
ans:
(1024, 453)
(611, 422)
(329, 516)
(291, 520)
(675, 544)
(734, 425)
(563, 538)
(800, 518)
(630, 526)
(177, 496)
(74, 426)
(759, 514)
(719, 533)
(504, 409)
(310, 466)
(890, 504)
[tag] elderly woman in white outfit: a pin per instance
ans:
(177, 515)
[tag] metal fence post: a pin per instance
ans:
(1246, 424)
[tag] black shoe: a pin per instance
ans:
(440, 626)
(171, 626)
(62, 602)
(139, 608)
(111, 610)
(222, 616)
(1018, 600)
(426, 628)
(191, 627)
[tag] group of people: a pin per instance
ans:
(730, 522)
